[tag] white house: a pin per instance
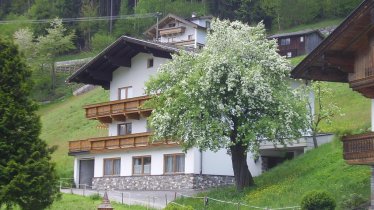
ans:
(187, 33)
(125, 159)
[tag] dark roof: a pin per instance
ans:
(151, 31)
(333, 59)
(297, 33)
(99, 70)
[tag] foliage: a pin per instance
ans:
(354, 201)
(318, 200)
(95, 196)
(323, 112)
(231, 95)
(101, 41)
(89, 9)
(27, 176)
(42, 51)
(172, 206)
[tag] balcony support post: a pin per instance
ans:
(372, 188)
(372, 115)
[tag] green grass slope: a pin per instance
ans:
(284, 186)
(64, 121)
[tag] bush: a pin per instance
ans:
(101, 41)
(172, 206)
(95, 196)
(318, 200)
(354, 201)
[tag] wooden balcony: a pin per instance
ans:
(172, 30)
(118, 110)
(359, 149)
(364, 85)
(115, 143)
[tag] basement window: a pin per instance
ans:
(289, 54)
(150, 63)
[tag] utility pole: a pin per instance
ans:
(111, 17)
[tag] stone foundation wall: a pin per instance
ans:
(161, 182)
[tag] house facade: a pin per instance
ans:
(297, 43)
(180, 32)
(127, 159)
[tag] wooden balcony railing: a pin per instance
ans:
(172, 30)
(112, 143)
(118, 110)
(359, 149)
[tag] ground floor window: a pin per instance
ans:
(112, 167)
(174, 163)
(141, 165)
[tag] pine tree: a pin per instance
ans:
(27, 175)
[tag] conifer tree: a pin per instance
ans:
(27, 175)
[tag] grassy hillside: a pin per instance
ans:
(64, 120)
(320, 169)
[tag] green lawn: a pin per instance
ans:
(283, 186)
(317, 25)
(75, 202)
(65, 120)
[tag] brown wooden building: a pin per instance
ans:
(298, 43)
(347, 56)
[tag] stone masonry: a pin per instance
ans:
(161, 182)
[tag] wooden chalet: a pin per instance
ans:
(297, 43)
(347, 56)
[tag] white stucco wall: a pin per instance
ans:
(157, 161)
(201, 36)
(219, 163)
(134, 76)
(181, 36)
(138, 126)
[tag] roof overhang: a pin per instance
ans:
(334, 58)
(99, 70)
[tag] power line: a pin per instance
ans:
(82, 19)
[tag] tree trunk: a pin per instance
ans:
(314, 134)
(243, 177)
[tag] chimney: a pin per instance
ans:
(193, 14)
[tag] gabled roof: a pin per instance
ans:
(99, 70)
(333, 59)
(297, 33)
(164, 21)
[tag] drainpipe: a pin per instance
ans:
(201, 162)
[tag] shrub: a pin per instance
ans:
(354, 201)
(172, 206)
(318, 200)
(101, 41)
(95, 196)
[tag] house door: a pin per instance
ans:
(86, 173)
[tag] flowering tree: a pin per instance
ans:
(234, 94)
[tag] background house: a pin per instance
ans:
(297, 43)
(187, 33)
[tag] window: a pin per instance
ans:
(190, 37)
(141, 165)
(289, 54)
(286, 41)
(150, 63)
(301, 39)
(112, 167)
(171, 25)
(174, 163)
(124, 129)
(124, 92)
